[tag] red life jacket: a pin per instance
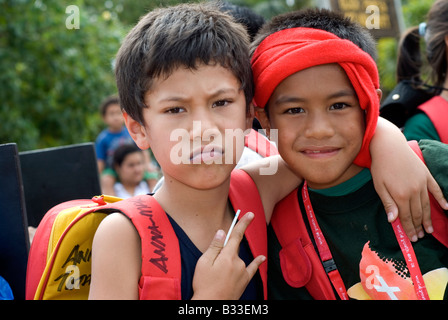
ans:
(300, 263)
(436, 109)
(161, 262)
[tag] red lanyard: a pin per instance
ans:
(322, 246)
(411, 260)
(331, 268)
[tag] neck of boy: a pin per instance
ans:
(347, 187)
(200, 213)
(348, 174)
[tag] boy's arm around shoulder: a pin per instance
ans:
(274, 180)
(116, 260)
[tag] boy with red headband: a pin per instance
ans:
(184, 72)
(330, 238)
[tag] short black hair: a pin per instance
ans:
(322, 19)
(111, 100)
(122, 151)
(251, 20)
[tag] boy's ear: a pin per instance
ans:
(137, 131)
(262, 117)
(379, 93)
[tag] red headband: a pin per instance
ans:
(288, 51)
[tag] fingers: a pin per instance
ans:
(232, 247)
(426, 219)
(401, 207)
(234, 241)
(238, 231)
(389, 205)
(437, 193)
(407, 221)
(417, 205)
(215, 247)
(254, 265)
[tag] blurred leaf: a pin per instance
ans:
(53, 78)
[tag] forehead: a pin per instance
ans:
(113, 107)
(321, 78)
(133, 156)
(184, 81)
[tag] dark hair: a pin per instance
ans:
(251, 20)
(322, 19)
(410, 62)
(436, 30)
(111, 100)
(122, 151)
(183, 35)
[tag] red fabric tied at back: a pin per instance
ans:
(288, 51)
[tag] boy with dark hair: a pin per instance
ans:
(184, 71)
(344, 28)
(113, 136)
(322, 94)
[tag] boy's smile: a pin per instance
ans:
(320, 124)
(319, 152)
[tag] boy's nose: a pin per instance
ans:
(318, 127)
(203, 129)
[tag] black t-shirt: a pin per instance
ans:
(363, 244)
(190, 255)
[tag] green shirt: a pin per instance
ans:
(420, 127)
(362, 241)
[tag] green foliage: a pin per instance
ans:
(387, 52)
(414, 12)
(271, 8)
(53, 78)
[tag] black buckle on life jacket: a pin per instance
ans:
(329, 265)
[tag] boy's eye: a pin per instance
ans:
(175, 110)
(221, 103)
(294, 110)
(338, 106)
